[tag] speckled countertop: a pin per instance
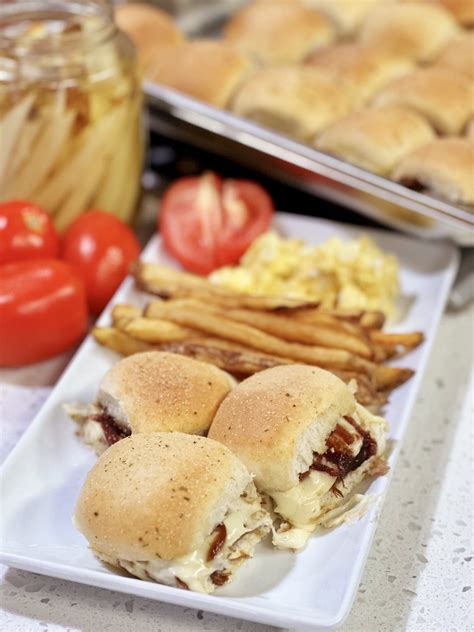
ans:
(419, 575)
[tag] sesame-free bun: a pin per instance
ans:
(443, 168)
(299, 101)
(205, 69)
(278, 32)
(442, 95)
(158, 496)
(376, 139)
(151, 30)
(162, 392)
(276, 419)
(415, 30)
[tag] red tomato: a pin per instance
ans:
(207, 222)
(26, 232)
(101, 248)
(43, 310)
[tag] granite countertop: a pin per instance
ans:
(418, 575)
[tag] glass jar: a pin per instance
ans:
(70, 109)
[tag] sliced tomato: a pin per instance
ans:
(207, 222)
(43, 310)
(26, 232)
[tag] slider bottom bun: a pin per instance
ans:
(300, 432)
(177, 509)
(148, 392)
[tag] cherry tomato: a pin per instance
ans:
(43, 310)
(207, 222)
(101, 248)
(26, 232)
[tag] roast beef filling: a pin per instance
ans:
(339, 458)
(112, 431)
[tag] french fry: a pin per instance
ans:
(222, 327)
(167, 283)
(366, 393)
(241, 363)
(320, 335)
(386, 378)
(119, 341)
(409, 340)
(284, 327)
(123, 314)
(157, 331)
(314, 316)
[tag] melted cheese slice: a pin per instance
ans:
(300, 507)
(194, 569)
(301, 504)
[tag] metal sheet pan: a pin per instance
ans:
(183, 118)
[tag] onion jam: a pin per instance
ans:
(339, 460)
(112, 431)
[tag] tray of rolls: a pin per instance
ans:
(369, 103)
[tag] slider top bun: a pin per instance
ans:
(278, 32)
(158, 495)
(151, 30)
(158, 391)
(347, 14)
(364, 69)
(444, 97)
(207, 70)
(442, 168)
(274, 421)
(459, 55)
(295, 100)
(463, 10)
(376, 139)
(418, 31)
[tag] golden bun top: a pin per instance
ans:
(442, 168)
(151, 30)
(207, 70)
(415, 30)
(296, 100)
(362, 68)
(376, 139)
(274, 421)
(459, 55)
(157, 391)
(444, 97)
(158, 495)
(278, 32)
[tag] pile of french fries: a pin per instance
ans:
(243, 334)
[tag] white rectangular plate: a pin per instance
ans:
(313, 589)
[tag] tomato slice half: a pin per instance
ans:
(207, 222)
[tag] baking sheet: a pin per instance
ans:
(183, 118)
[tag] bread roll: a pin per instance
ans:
(445, 98)
(207, 70)
(300, 432)
(443, 168)
(278, 32)
(296, 100)
(418, 31)
(151, 30)
(376, 139)
(459, 56)
(171, 508)
(364, 70)
(152, 391)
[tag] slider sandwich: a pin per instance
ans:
(177, 509)
(152, 392)
(301, 433)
